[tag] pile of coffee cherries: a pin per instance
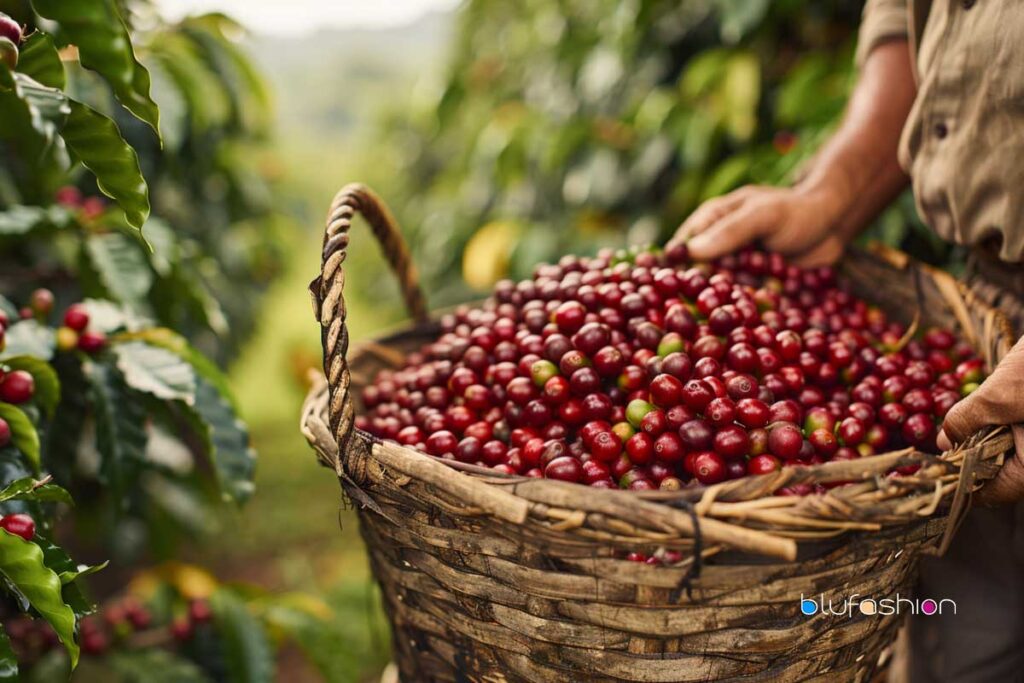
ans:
(642, 370)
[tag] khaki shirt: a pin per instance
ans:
(963, 143)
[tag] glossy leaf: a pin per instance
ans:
(80, 571)
(29, 488)
(227, 441)
(39, 60)
(120, 418)
(24, 436)
(21, 563)
(157, 371)
(247, 651)
(104, 46)
(168, 339)
(47, 108)
(29, 338)
(96, 141)
(122, 267)
(47, 393)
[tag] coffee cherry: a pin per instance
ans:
(697, 435)
(697, 394)
(564, 468)
(666, 391)
(763, 464)
(824, 442)
(10, 30)
(851, 431)
(541, 371)
(17, 386)
(67, 339)
(785, 440)
(731, 441)
(640, 448)
(721, 412)
(919, 430)
(708, 468)
(19, 525)
(41, 301)
(606, 446)
(570, 316)
(668, 448)
(5, 432)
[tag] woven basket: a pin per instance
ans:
(495, 578)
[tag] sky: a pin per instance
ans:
(296, 17)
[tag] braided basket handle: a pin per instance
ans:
(329, 305)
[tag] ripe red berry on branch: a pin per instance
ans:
(19, 525)
(17, 386)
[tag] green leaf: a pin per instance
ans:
(23, 433)
(96, 141)
(104, 46)
(28, 488)
(172, 341)
(120, 419)
(8, 660)
(82, 570)
(21, 563)
(47, 393)
(154, 665)
(22, 220)
(247, 651)
(39, 59)
(47, 108)
(157, 371)
(227, 441)
(122, 267)
(29, 338)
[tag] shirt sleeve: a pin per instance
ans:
(883, 20)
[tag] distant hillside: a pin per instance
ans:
(332, 82)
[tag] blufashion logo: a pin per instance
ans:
(865, 605)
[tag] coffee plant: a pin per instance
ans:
(131, 223)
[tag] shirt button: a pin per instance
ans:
(967, 4)
(941, 130)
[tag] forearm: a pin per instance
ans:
(859, 164)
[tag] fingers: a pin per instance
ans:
(942, 441)
(998, 401)
(968, 416)
(1008, 485)
(737, 229)
(711, 211)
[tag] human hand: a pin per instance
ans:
(802, 223)
(998, 401)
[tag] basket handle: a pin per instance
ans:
(329, 304)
